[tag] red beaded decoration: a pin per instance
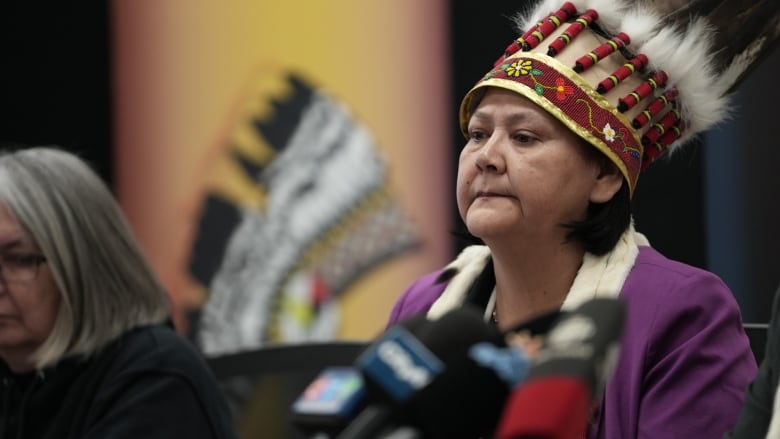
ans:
(527, 35)
(654, 108)
(656, 149)
(636, 63)
(572, 31)
(657, 80)
(587, 61)
(651, 153)
(511, 49)
(672, 133)
(545, 27)
(659, 128)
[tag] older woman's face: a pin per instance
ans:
(522, 172)
(28, 306)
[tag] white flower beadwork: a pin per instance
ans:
(609, 133)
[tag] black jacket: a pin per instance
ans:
(756, 414)
(150, 383)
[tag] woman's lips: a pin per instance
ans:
(488, 194)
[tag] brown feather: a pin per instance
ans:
(741, 26)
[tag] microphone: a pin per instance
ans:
(336, 396)
(329, 402)
(465, 395)
(567, 376)
(448, 379)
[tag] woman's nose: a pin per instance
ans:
(489, 158)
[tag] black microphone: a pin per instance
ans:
(449, 379)
(463, 398)
(336, 396)
(567, 376)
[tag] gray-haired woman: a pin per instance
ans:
(85, 347)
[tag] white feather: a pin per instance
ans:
(740, 63)
(686, 56)
(642, 23)
(581, 5)
(611, 13)
(687, 59)
(525, 21)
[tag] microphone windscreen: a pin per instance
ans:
(465, 399)
(402, 362)
(454, 332)
(583, 343)
(337, 394)
(448, 377)
(547, 408)
(567, 374)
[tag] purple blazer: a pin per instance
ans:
(685, 361)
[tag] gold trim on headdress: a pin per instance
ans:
(586, 129)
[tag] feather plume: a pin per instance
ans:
(527, 19)
(706, 46)
(687, 57)
(744, 32)
(643, 24)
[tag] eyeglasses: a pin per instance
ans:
(20, 267)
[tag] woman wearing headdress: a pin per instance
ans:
(557, 134)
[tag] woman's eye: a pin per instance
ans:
(15, 259)
(476, 135)
(523, 138)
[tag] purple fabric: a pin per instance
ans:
(418, 298)
(685, 361)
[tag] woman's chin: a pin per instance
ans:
(489, 229)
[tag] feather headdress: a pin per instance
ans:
(634, 79)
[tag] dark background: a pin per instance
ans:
(55, 77)
(713, 205)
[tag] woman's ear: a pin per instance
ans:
(608, 182)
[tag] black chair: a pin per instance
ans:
(757, 334)
(262, 384)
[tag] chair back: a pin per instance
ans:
(757, 334)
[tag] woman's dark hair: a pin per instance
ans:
(604, 223)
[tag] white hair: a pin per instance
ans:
(106, 284)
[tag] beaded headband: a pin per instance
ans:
(626, 78)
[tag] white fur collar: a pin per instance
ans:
(599, 276)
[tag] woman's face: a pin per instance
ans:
(523, 173)
(28, 308)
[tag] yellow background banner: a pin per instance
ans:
(190, 77)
